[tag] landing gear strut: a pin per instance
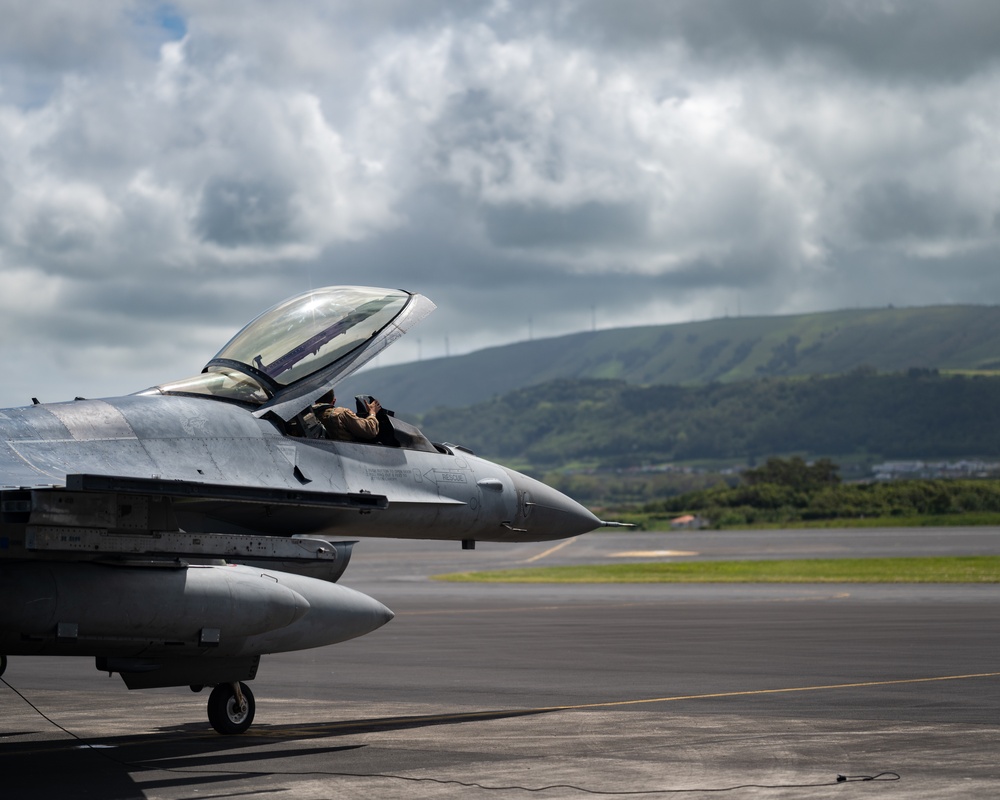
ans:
(231, 708)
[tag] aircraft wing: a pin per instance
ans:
(106, 515)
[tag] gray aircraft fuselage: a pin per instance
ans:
(446, 494)
(178, 534)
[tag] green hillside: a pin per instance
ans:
(964, 338)
(608, 424)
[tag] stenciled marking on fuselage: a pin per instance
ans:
(389, 474)
(446, 476)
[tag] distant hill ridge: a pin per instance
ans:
(954, 337)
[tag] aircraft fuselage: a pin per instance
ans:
(446, 494)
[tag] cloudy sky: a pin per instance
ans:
(170, 169)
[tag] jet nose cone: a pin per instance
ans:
(545, 513)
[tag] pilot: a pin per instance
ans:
(344, 425)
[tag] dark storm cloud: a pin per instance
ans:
(574, 227)
(866, 278)
(893, 209)
(59, 36)
(239, 212)
(437, 250)
(899, 39)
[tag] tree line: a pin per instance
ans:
(784, 491)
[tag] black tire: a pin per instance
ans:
(3, 664)
(224, 713)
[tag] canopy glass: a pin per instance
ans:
(302, 337)
(307, 333)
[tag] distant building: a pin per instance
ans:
(969, 468)
(687, 521)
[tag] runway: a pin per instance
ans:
(568, 691)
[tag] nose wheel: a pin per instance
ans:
(231, 708)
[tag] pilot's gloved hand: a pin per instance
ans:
(374, 407)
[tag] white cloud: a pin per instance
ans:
(187, 165)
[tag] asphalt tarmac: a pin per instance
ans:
(478, 691)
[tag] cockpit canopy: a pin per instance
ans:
(298, 349)
(306, 333)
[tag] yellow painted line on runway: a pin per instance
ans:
(653, 554)
(756, 692)
(390, 723)
(548, 552)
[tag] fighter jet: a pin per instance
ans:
(178, 534)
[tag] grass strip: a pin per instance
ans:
(955, 569)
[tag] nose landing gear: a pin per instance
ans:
(231, 708)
